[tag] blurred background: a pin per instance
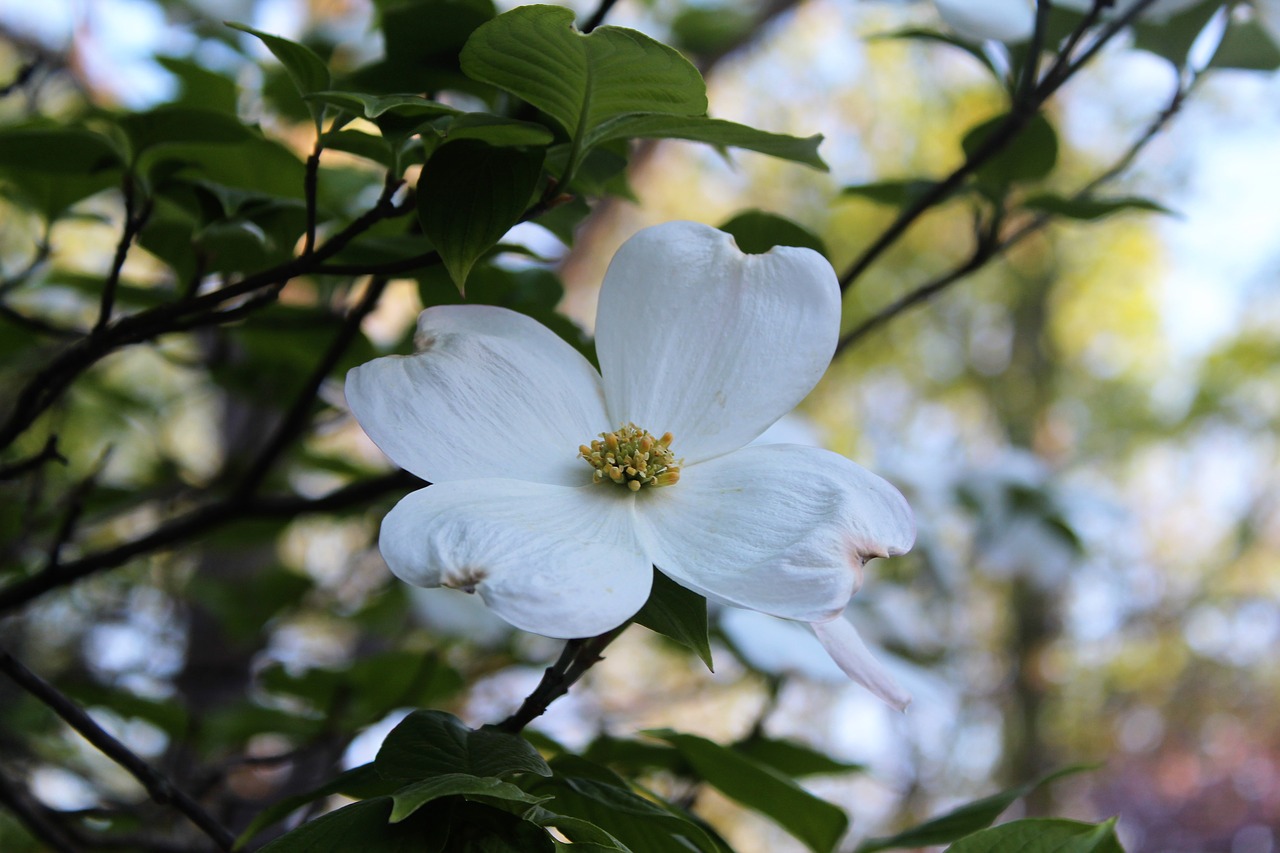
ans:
(1086, 431)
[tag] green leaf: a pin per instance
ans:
(715, 132)
(257, 164)
(307, 70)
(897, 193)
(1029, 156)
(498, 131)
(200, 87)
(366, 145)
(814, 821)
(1173, 38)
(375, 106)
(469, 195)
(579, 80)
(409, 800)
(422, 40)
(362, 781)
(964, 820)
(634, 757)
(974, 49)
(175, 125)
(791, 758)
(56, 150)
(431, 743)
(678, 613)
(756, 232)
(640, 824)
(1042, 835)
(1090, 208)
(1247, 46)
(364, 827)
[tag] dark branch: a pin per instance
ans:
(160, 789)
(134, 220)
(598, 16)
(33, 816)
(577, 657)
(47, 453)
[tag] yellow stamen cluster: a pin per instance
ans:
(631, 457)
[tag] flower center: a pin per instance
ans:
(631, 457)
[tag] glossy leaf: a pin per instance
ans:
(408, 800)
(469, 195)
(897, 193)
(431, 743)
(307, 70)
(678, 613)
(374, 106)
(1090, 208)
(1029, 156)
(1043, 835)
(716, 132)
(791, 758)
(964, 820)
(362, 826)
(817, 823)
(756, 232)
(496, 130)
(579, 80)
(175, 125)
(359, 782)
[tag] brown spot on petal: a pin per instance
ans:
(465, 579)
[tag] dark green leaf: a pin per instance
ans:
(581, 81)
(1247, 46)
(366, 145)
(56, 150)
(364, 827)
(469, 195)
(430, 743)
(562, 219)
(175, 125)
(1090, 208)
(816, 822)
(791, 758)
(496, 130)
(715, 132)
(1029, 156)
(1172, 39)
(678, 613)
(964, 820)
(634, 757)
(408, 800)
(922, 35)
(260, 165)
(363, 782)
(423, 39)
(374, 106)
(200, 87)
(307, 70)
(642, 825)
(1043, 836)
(897, 193)
(756, 232)
(709, 30)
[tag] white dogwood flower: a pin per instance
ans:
(556, 489)
(1009, 21)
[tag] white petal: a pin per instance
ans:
(553, 560)
(713, 345)
(778, 528)
(842, 642)
(978, 20)
(493, 394)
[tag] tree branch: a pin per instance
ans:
(160, 789)
(576, 658)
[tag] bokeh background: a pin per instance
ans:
(1086, 430)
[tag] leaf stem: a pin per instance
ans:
(575, 659)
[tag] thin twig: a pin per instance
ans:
(295, 420)
(134, 220)
(47, 453)
(576, 658)
(598, 16)
(33, 816)
(1020, 113)
(981, 256)
(309, 181)
(160, 789)
(198, 522)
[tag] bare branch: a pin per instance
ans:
(160, 789)
(576, 658)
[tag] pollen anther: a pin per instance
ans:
(632, 457)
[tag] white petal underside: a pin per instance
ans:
(555, 560)
(978, 20)
(842, 642)
(713, 345)
(493, 394)
(782, 529)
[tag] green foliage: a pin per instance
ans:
(679, 614)
(1043, 836)
(1030, 156)
(307, 70)
(1090, 208)
(758, 231)
(430, 743)
(758, 786)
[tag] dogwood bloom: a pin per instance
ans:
(1009, 21)
(557, 488)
